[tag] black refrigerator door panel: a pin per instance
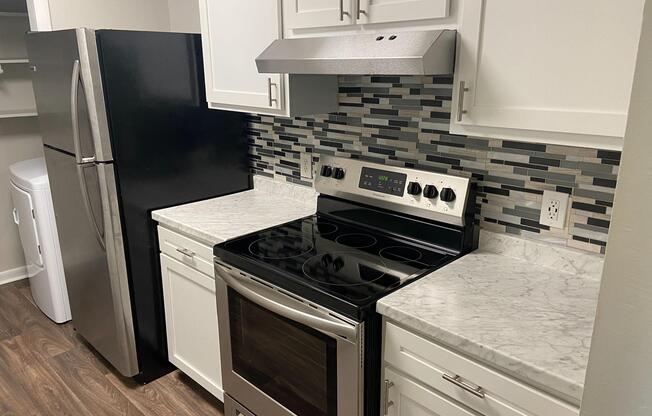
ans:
(169, 149)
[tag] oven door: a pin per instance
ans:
(282, 356)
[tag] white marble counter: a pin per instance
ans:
(524, 307)
(219, 219)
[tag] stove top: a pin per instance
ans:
(354, 264)
(377, 228)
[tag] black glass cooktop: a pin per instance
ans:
(350, 263)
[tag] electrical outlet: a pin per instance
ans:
(306, 165)
(553, 209)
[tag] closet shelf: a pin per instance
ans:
(31, 112)
(14, 61)
(13, 14)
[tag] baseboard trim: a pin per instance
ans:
(13, 275)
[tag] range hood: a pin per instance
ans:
(403, 53)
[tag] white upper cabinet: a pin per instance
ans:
(385, 11)
(301, 14)
(234, 33)
(308, 14)
(552, 71)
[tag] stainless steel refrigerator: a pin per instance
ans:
(126, 130)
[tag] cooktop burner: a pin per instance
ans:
(324, 228)
(280, 247)
(353, 263)
(356, 240)
(400, 253)
(334, 269)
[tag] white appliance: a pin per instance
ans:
(34, 215)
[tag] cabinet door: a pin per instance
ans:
(408, 398)
(383, 11)
(26, 222)
(234, 33)
(302, 14)
(191, 321)
(553, 66)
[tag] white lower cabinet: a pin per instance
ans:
(408, 398)
(191, 320)
(424, 378)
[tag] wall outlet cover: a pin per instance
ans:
(554, 209)
(306, 165)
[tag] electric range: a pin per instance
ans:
(299, 334)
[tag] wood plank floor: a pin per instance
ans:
(46, 369)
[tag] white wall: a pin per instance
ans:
(156, 15)
(99, 14)
(19, 140)
(184, 16)
(619, 376)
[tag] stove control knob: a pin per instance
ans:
(338, 263)
(338, 173)
(447, 195)
(326, 171)
(430, 191)
(414, 188)
(326, 260)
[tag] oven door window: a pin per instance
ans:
(293, 364)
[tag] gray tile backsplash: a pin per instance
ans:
(404, 121)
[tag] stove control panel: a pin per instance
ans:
(384, 181)
(415, 192)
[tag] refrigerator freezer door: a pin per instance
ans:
(84, 200)
(53, 56)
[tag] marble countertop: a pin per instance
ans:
(215, 220)
(524, 307)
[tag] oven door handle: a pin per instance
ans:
(332, 327)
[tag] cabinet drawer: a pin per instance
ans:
(502, 396)
(408, 398)
(186, 250)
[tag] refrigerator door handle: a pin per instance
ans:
(74, 111)
(99, 235)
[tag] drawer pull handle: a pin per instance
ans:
(342, 12)
(269, 92)
(386, 402)
(457, 380)
(460, 101)
(186, 252)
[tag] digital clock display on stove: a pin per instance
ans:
(391, 183)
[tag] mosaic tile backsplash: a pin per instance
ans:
(404, 121)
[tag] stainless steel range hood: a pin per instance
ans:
(403, 53)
